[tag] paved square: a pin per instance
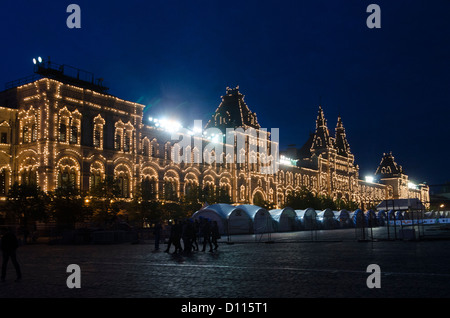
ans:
(293, 266)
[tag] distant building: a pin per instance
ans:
(58, 128)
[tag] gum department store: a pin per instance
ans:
(56, 127)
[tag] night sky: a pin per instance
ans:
(390, 85)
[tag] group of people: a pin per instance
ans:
(187, 235)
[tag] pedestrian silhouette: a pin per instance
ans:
(215, 235)
(157, 233)
(206, 232)
(171, 234)
(195, 233)
(9, 245)
(177, 232)
(188, 235)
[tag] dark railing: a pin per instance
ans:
(64, 73)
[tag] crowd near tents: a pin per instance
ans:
(247, 218)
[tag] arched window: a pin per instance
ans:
(62, 132)
(73, 134)
(148, 188)
(66, 177)
(25, 135)
(99, 123)
(123, 136)
(117, 141)
(123, 183)
(28, 176)
(33, 133)
(145, 147)
(126, 143)
(170, 190)
(96, 179)
(97, 136)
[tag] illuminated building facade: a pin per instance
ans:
(52, 130)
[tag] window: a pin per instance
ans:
(73, 134)
(4, 138)
(153, 149)
(126, 145)
(67, 178)
(148, 187)
(33, 133)
(170, 192)
(28, 177)
(25, 134)
(117, 142)
(96, 179)
(62, 132)
(122, 182)
(97, 137)
(99, 123)
(3, 189)
(145, 150)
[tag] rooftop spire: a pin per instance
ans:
(341, 143)
(321, 139)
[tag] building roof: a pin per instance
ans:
(388, 167)
(401, 204)
(233, 112)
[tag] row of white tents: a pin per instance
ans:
(244, 219)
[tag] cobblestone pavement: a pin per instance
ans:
(300, 264)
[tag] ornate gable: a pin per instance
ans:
(388, 167)
(233, 112)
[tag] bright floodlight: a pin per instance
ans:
(412, 185)
(215, 138)
(34, 61)
(168, 124)
(369, 179)
(197, 130)
(40, 59)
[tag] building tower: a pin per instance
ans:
(321, 140)
(341, 143)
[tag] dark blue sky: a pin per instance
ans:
(390, 85)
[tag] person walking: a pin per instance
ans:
(195, 233)
(215, 234)
(157, 234)
(187, 236)
(177, 233)
(206, 231)
(171, 235)
(9, 245)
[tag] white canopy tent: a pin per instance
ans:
(285, 219)
(230, 219)
(359, 219)
(326, 218)
(261, 218)
(308, 218)
(343, 218)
